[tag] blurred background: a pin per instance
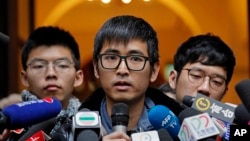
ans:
(174, 20)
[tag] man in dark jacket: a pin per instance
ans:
(126, 61)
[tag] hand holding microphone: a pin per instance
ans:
(119, 119)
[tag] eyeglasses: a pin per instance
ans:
(41, 66)
(197, 77)
(133, 62)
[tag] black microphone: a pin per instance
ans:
(45, 126)
(58, 137)
(242, 116)
(164, 135)
(188, 100)
(28, 113)
(4, 39)
(87, 135)
(84, 122)
(213, 107)
(243, 91)
(120, 117)
(188, 112)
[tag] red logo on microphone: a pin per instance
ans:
(48, 99)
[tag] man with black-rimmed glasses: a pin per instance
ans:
(126, 61)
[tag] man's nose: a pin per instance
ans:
(50, 70)
(123, 66)
(205, 86)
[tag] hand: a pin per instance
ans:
(4, 135)
(116, 136)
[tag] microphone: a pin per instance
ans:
(243, 90)
(58, 137)
(196, 126)
(213, 107)
(161, 117)
(241, 115)
(4, 39)
(28, 113)
(188, 100)
(87, 135)
(39, 136)
(120, 117)
(45, 126)
(222, 126)
(145, 136)
(160, 135)
(86, 125)
(164, 135)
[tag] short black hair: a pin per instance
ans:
(122, 29)
(50, 35)
(208, 49)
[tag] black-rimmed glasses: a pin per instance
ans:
(133, 62)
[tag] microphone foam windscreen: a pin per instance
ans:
(164, 135)
(161, 117)
(4, 39)
(120, 114)
(188, 100)
(32, 112)
(87, 135)
(241, 114)
(188, 112)
(243, 91)
(58, 137)
(45, 126)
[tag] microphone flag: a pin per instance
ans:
(197, 127)
(39, 136)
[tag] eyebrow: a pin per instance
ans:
(131, 52)
(42, 60)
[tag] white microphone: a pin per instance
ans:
(145, 136)
(160, 135)
(196, 127)
(221, 126)
(86, 125)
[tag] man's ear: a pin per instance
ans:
(155, 72)
(79, 78)
(24, 78)
(172, 79)
(96, 71)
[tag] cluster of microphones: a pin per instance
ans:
(203, 119)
